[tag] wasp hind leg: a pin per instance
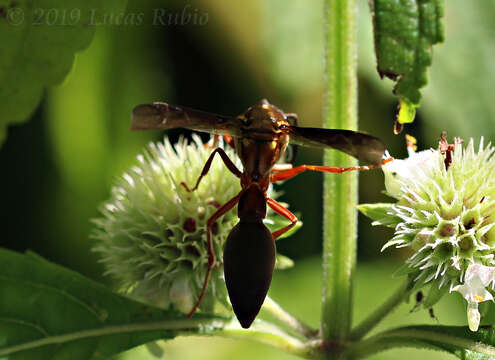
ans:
(281, 175)
(279, 209)
(211, 253)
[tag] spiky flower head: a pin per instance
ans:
(152, 233)
(444, 213)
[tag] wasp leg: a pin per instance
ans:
(279, 209)
(281, 175)
(211, 254)
(230, 165)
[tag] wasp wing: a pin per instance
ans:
(164, 116)
(363, 147)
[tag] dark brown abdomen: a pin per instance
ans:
(249, 259)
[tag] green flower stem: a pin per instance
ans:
(379, 314)
(375, 345)
(340, 191)
(413, 338)
(261, 331)
(290, 321)
(267, 333)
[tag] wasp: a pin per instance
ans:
(260, 137)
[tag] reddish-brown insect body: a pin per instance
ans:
(446, 149)
(260, 137)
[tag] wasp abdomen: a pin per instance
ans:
(249, 259)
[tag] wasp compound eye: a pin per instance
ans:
(249, 259)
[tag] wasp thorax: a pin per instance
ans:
(263, 117)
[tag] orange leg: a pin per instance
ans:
(280, 175)
(279, 209)
(230, 165)
(211, 253)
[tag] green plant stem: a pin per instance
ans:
(378, 344)
(379, 314)
(261, 331)
(270, 334)
(290, 321)
(410, 337)
(340, 191)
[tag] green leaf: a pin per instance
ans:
(407, 111)
(379, 213)
(435, 293)
(39, 40)
(456, 340)
(283, 262)
(404, 34)
(405, 269)
(49, 312)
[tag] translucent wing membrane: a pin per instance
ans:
(363, 147)
(165, 116)
(158, 115)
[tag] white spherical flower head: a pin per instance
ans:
(152, 235)
(445, 213)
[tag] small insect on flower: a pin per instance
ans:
(444, 213)
(260, 136)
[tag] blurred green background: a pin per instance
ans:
(221, 56)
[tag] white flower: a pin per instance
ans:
(151, 236)
(444, 212)
(398, 172)
(477, 278)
